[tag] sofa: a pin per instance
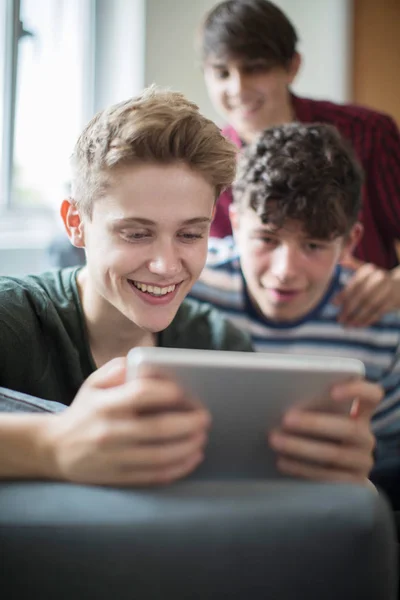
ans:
(246, 540)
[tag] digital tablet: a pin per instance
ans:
(247, 394)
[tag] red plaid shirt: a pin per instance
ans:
(376, 140)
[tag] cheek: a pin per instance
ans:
(195, 258)
(275, 89)
(216, 91)
(99, 243)
(121, 259)
(252, 250)
(202, 255)
(219, 99)
(322, 270)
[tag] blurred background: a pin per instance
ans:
(63, 60)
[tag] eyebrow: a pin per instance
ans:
(266, 230)
(303, 237)
(217, 65)
(149, 222)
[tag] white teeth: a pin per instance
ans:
(154, 289)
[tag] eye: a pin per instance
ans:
(266, 239)
(221, 74)
(188, 236)
(314, 246)
(135, 236)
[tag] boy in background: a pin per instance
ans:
(294, 216)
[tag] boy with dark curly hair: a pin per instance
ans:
(294, 215)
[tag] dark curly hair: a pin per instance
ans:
(307, 173)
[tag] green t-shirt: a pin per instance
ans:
(44, 348)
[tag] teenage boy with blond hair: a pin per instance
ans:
(146, 174)
(294, 215)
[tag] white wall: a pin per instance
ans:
(170, 56)
(21, 261)
(324, 30)
(323, 27)
(120, 46)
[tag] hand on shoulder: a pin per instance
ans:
(369, 295)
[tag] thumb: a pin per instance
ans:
(110, 375)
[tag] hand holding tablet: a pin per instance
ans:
(248, 395)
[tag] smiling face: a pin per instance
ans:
(287, 273)
(251, 94)
(146, 244)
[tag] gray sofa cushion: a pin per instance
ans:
(197, 540)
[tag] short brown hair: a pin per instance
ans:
(306, 173)
(250, 29)
(158, 126)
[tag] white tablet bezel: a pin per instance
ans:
(243, 411)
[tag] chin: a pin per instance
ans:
(290, 317)
(280, 314)
(156, 326)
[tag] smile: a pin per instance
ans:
(247, 109)
(154, 290)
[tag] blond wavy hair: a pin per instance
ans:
(158, 126)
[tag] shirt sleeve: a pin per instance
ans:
(20, 338)
(386, 421)
(386, 428)
(11, 349)
(384, 180)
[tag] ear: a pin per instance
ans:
(73, 223)
(294, 67)
(351, 240)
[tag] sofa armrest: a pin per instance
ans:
(197, 540)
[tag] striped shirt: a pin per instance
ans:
(376, 141)
(318, 333)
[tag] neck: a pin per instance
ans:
(285, 114)
(110, 333)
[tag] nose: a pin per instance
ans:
(236, 83)
(284, 263)
(165, 261)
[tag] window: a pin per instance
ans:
(46, 72)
